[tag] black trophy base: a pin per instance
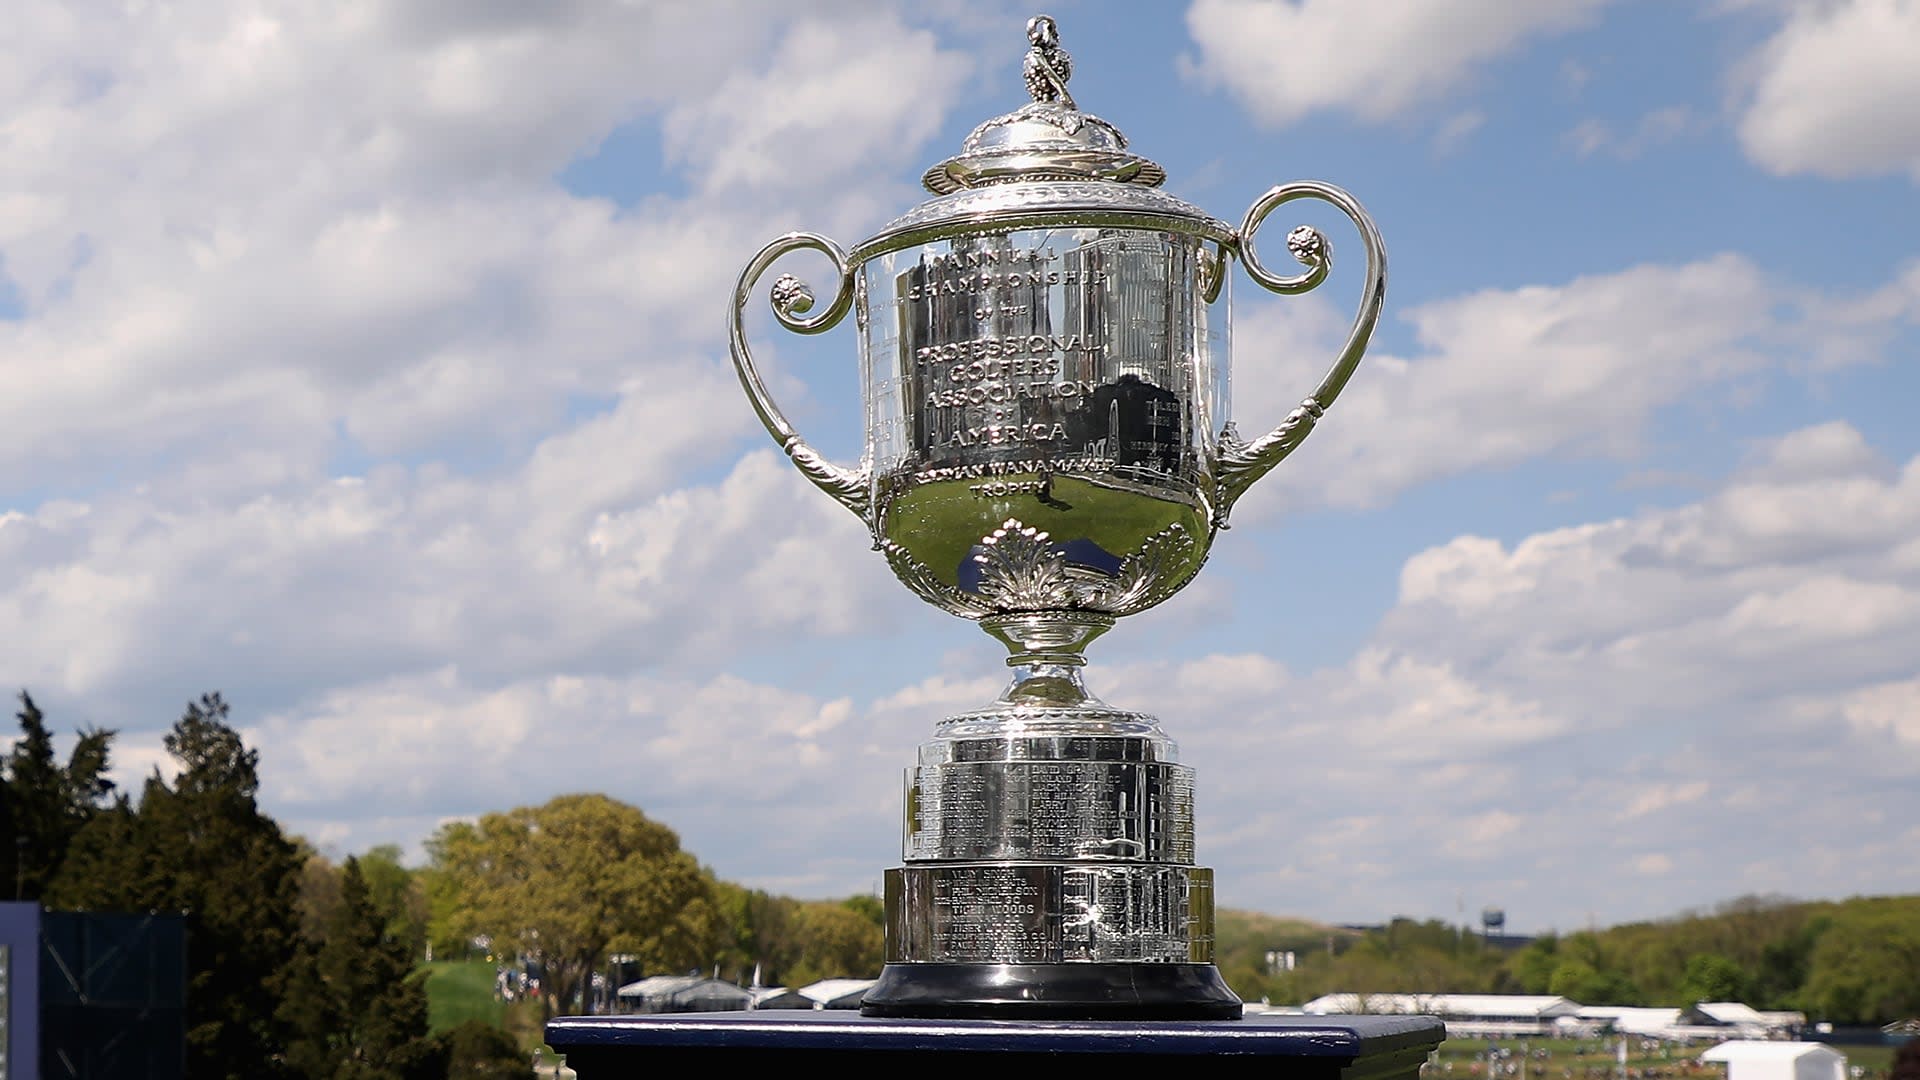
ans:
(1052, 992)
(835, 1043)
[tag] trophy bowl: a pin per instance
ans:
(1045, 361)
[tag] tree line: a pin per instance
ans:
(302, 969)
(1849, 962)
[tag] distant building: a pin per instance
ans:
(779, 997)
(681, 993)
(1723, 1019)
(1629, 1019)
(838, 993)
(1750, 1060)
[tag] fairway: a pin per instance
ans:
(462, 990)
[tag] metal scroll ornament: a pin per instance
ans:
(1044, 354)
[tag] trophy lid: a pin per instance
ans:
(1046, 139)
(1043, 163)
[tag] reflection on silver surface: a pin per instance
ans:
(1040, 410)
(1094, 810)
(1049, 913)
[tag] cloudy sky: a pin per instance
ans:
(365, 361)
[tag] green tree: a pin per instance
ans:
(1532, 968)
(357, 1007)
(839, 942)
(396, 892)
(476, 1050)
(319, 899)
(1866, 968)
(201, 846)
(1582, 982)
(1712, 977)
(569, 882)
(44, 805)
(756, 933)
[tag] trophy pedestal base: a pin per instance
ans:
(776, 1040)
(1052, 992)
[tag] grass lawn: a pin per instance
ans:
(1580, 1059)
(462, 990)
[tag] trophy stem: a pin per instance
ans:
(1046, 652)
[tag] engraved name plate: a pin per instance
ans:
(1050, 810)
(1030, 913)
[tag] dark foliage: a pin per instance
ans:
(44, 804)
(478, 1051)
(357, 1007)
(201, 846)
(1906, 1062)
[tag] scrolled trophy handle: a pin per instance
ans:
(792, 298)
(1241, 463)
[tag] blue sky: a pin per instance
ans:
(365, 362)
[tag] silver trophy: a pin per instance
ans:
(1044, 351)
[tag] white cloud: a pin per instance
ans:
(1507, 374)
(1653, 864)
(1457, 130)
(1662, 125)
(566, 562)
(1376, 58)
(1504, 376)
(1548, 723)
(828, 104)
(363, 763)
(1890, 710)
(1836, 92)
(247, 237)
(1789, 576)
(1678, 694)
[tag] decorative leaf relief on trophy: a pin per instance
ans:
(1021, 570)
(1150, 575)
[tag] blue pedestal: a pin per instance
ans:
(1291, 1047)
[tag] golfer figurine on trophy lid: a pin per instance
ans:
(1044, 353)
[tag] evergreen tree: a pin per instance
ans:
(201, 846)
(43, 804)
(476, 1050)
(359, 1009)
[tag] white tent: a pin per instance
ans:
(1749, 1060)
(837, 993)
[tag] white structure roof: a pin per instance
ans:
(679, 987)
(1732, 1012)
(1754, 1060)
(1487, 1006)
(659, 984)
(763, 994)
(1632, 1020)
(827, 991)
